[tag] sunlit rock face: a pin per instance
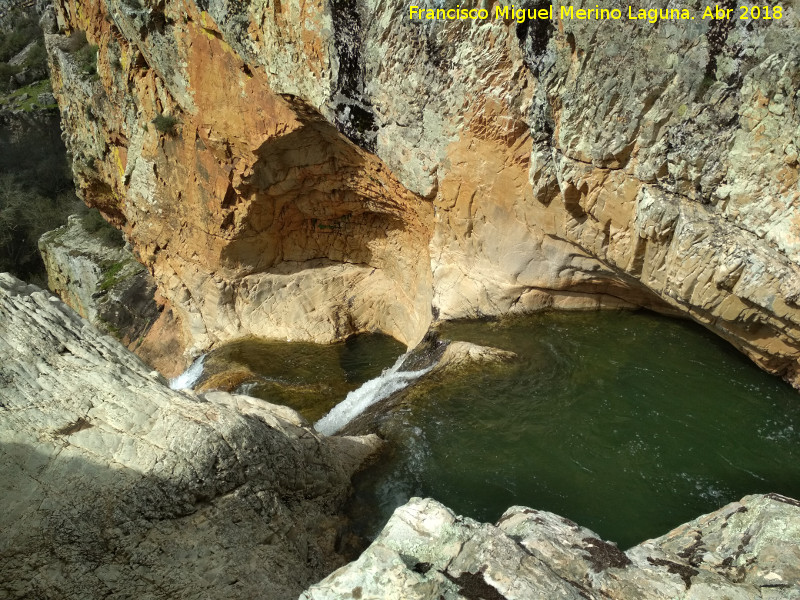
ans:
(337, 167)
(255, 215)
(744, 550)
(115, 485)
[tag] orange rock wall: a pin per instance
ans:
(337, 168)
(250, 195)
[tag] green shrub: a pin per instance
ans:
(93, 222)
(110, 275)
(84, 54)
(165, 124)
(86, 59)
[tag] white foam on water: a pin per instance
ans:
(187, 379)
(246, 389)
(384, 385)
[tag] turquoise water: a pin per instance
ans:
(627, 423)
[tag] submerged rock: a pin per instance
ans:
(114, 485)
(745, 550)
(226, 381)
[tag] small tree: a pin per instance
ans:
(166, 124)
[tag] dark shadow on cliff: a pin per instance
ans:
(36, 189)
(317, 197)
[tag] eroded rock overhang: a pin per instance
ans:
(336, 167)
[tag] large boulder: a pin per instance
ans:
(94, 272)
(743, 551)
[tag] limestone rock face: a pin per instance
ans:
(115, 486)
(745, 550)
(337, 167)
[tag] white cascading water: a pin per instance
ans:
(187, 379)
(246, 389)
(384, 385)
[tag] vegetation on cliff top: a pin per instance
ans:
(21, 31)
(94, 223)
(36, 188)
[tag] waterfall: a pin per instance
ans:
(187, 379)
(384, 385)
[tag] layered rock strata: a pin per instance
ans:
(745, 550)
(308, 170)
(115, 486)
(92, 271)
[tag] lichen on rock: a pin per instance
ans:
(426, 552)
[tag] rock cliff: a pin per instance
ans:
(744, 551)
(307, 170)
(92, 271)
(115, 486)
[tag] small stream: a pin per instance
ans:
(625, 422)
(390, 381)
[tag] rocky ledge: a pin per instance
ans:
(93, 271)
(745, 550)
(115, 486)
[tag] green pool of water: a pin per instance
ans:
(311, 378)
(628, 423)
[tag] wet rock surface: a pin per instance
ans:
(745, 550)
(116, 486)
